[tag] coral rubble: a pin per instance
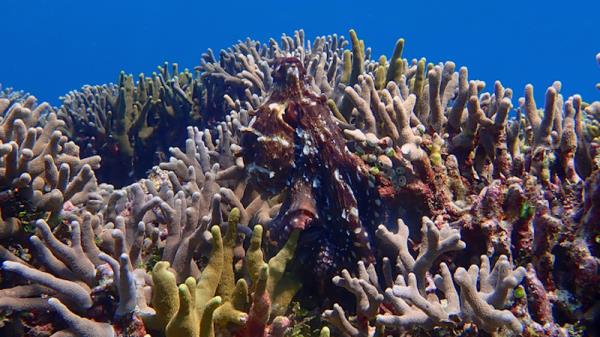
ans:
(300, 188)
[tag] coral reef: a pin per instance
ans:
(131, 125)
(409, 301)
(40, 170)
(309, 189)
(12, 94)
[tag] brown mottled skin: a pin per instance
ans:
(296, 147)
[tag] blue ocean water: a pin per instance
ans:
(52, 46)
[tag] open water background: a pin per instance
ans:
(50, 47)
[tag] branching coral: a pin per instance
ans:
(410, 301)
(216, 301)
(511, 185)
(40, 170)
(71, 280)
(242, 75)
(13, 95)
(242, 307)
(449, 149)
(131, 123)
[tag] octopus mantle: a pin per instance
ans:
(295, 148)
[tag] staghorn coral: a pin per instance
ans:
(511, 186)
(13, 95)
(453, 152)
(124, 120)
(132, 124)
(75, 291)
(40, 170)
(217, 303)
(409, 300)
(241, 77)
(83, 291)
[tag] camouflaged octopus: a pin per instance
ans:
(294, 148)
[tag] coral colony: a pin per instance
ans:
(300, 188)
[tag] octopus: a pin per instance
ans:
(294, 148)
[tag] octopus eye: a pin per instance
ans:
(291, 117)
(288, 68)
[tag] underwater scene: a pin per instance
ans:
(296, 183)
